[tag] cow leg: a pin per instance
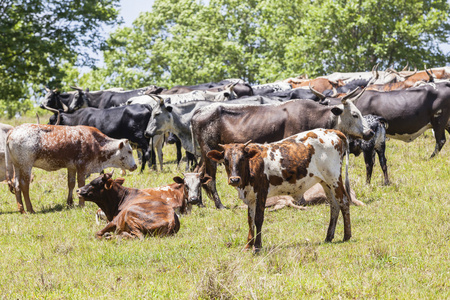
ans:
(340, 193)
(71, 178)
(159, 141)
(334, 212)
(145, 155)
(23, 184)
(439, 133)
(191, 161)
(17, 191)
(210, 187)
(382, 158)
(251, 227)
(369, 159)
(179, 154)
(259, 219)
(81, 175)
(110, 227)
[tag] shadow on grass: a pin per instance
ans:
(55, 208)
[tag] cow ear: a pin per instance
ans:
(252, 153)
(206, 179)
(178, 180)
(337, 110)
(109, 184)
(121, 145)
(120, 180)
(215, 155)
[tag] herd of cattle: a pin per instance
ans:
(274, 139)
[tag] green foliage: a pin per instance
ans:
(400, 246)
(189, 42)
(38, 37)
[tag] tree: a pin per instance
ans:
(38, 38)
(189, 42)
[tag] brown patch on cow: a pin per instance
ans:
(321, 141)
(275, 180)
(272, 156)
(311, 135)
(295, 162)
(311, 174)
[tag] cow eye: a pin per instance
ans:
(355, 116)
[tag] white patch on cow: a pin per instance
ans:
(409, 137)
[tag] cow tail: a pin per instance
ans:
(347, 180)
(9, 167)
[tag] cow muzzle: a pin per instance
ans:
(194, 200)
(234, 180)
(368, 134)
(134, 167)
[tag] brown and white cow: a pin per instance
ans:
(180, 195)
(288, 167)
(81, 149)
(132, 213)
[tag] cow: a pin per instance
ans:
(411, 112)
(180, 89)
(288, 167)
(268, 88)
(223, 95)
(104, 99)
(222, 124)
(131, 213)
(297, 93)
(177, 118)
(4, 128)
(377, 144)
(409, 81)
(127, 122)
(81, 149)
(321, 84)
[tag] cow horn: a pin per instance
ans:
(358, 96)
(76, 88)
(318, 94)
(221, 146)
(246, 144)
(406, 67)
(47, 89)
(349, 95)
(335, 93)
(65, 107)
(375, 70)
(38, 121)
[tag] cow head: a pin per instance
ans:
(192, 187)
(80, 100)
(55, 100)
(236, 159)
(347, 118)
(123, 156)
(161, 119)
(96, 191)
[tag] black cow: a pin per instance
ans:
(298, 93)
(350, 86)
(106, 99)
(127, 122)
(411, 112)
(376, 144)
(60, 101)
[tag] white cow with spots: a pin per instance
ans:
(80, 149)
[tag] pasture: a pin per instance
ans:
(400, 246)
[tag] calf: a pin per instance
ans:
(80, 149)
(131, 212)
(376, 144)
(288, 167)
(180, 195)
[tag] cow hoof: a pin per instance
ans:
(256, 250)
(221, 207)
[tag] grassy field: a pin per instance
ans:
(400, 246)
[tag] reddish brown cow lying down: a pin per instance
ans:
(180, 195)
(131, 212)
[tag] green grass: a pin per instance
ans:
(400, 247)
